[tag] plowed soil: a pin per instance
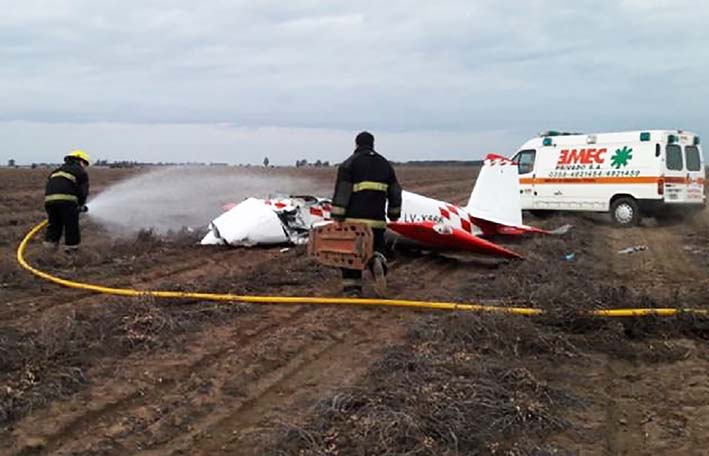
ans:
(86, 374)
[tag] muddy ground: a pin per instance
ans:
(89, 374)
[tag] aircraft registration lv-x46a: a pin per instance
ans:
(494, 209)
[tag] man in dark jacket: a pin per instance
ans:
(65, 196)
(365, 182)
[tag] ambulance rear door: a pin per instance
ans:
(675, 174)
(695, 173)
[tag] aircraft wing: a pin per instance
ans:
(268, 222)
(448, 238)
(248, 223)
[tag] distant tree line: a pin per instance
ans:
(133, 164)
(303, 163)
(440, 163)
(317, 164)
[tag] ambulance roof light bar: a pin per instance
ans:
(557, 133)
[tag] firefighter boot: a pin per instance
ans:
(379, 270)
(51, 246)
(71, 255)
(71, 249)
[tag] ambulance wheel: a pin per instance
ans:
(625, 212)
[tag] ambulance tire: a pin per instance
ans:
(625, 211)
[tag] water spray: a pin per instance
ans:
(175, 198)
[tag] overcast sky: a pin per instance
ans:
(237, 80)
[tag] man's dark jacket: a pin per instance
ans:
(67, 183)
(365, 181)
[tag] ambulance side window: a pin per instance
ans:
(674, 157)
(692, 158)
(525, 161)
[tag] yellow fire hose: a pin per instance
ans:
(428, 305)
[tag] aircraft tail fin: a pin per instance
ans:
(495, 197)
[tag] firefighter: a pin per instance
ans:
(65, 197)
(365, 181)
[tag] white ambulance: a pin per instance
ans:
(629, 174)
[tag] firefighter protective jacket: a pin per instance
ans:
(68, 183)
(365, 182)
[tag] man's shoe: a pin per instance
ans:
(49, 245)
(379, 273)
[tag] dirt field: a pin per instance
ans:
(87, 374)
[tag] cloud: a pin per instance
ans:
(459, 67)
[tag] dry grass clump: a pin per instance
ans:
(40, 365)
(457, 387)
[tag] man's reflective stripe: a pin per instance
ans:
(370, 185)
(61, 197)
(352, 282)
(395, 211)
(71, 177)
(369, 222)
(337, 210)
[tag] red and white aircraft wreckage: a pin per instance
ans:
(493, 209)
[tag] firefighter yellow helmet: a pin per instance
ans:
(80, 154)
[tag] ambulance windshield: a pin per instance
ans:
(525, 161)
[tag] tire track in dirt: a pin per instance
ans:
(658, 409)
(656, 272)
(623, 417)
(303, 380)
(110, 403)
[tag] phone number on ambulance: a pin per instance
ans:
(596, 173)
